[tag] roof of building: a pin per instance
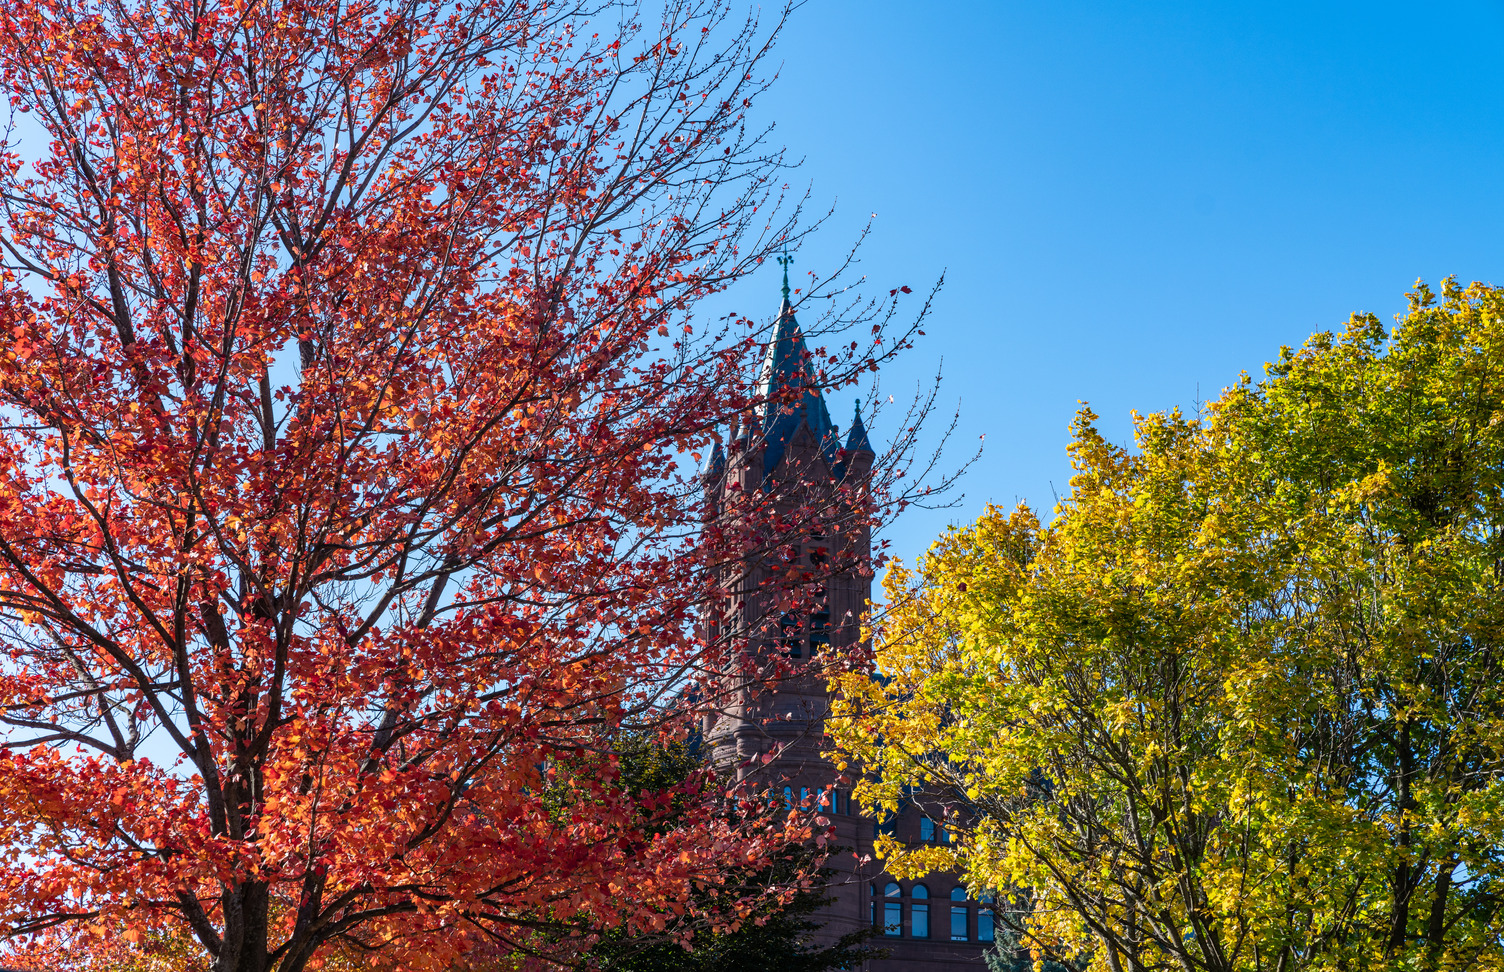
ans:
(715, 464)
(856, 439)
(788, 366)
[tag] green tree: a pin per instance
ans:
(774, 935)
(1012, 953)
(776, 938)
(1237, 706)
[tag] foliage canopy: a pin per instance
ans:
(1238, 705)
(348, 375)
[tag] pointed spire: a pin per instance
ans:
(831, 445)
(856, 439)
(787, 369)
(715, 463)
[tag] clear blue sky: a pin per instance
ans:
(1132, 200)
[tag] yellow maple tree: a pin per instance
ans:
(1237, 705)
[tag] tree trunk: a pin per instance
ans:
(1436, 923)
(1399, 919)
(246, 913)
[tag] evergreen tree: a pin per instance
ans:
(775, 938)
(1012, 954)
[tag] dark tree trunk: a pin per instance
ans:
(246, 913)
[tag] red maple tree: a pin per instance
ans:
(348, 364)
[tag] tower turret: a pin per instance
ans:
(859, 454)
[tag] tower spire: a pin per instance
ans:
(856, 439)
(789, 387)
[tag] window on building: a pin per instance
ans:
(874, 904)
(788, 636)
(804, 797)
(819, 624)
(892, 910)
(926, 829)
(985, 931)
(919, 912)
(958, 930)
(788, 797)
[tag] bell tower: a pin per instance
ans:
(792, 493)
(796, 490)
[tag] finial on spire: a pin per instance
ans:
(784, 262)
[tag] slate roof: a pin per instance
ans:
(856, 439)
(787, 365)
(715, 464)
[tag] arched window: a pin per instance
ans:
(788, 796)
(804, 797)
(892, 910)
(919, 912)
(984, 920)
(958, 930)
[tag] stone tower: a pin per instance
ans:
(796, 597)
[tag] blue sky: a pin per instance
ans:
(1134, 201)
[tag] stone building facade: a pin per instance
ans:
(798, 598)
